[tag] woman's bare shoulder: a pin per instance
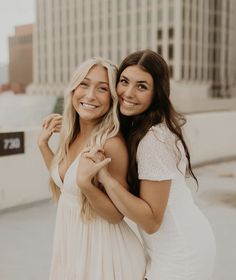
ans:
(116, 146)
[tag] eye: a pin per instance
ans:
(83, 85)
(123, 82)
(103, 89)
(142, 87)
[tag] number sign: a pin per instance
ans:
(11, 143)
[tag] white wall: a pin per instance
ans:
(24, 178)
(23, 110)
(211, 136)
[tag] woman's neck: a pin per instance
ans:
(86, 129)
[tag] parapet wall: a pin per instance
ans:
(211, 136)
(24, 177)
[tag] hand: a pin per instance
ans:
(90, 163)
(97, 155)
(51, 124)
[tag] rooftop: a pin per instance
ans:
(26, 233)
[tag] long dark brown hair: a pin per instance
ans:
(134, 128)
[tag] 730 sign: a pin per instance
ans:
(11, 143)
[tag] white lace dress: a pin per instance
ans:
(96, 250)
(184, 246)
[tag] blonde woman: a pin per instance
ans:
(91, 242)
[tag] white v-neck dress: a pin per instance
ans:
(184, 246)
(96, 250)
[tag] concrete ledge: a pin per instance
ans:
(214, 161)
(211, 138)
(25, 206)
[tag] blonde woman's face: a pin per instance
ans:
(92, 98)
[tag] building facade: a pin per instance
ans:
(194, 36)
(3, 73)
(20, 57)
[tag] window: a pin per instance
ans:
(149, 34)
(159, 34)
(159, 50)
(182, 71)
(171, 32)
(171, 71)
(170, 51)
(196, 73)
(189, 71)
(183, 52)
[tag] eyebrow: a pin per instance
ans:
(101, 82)
(140, 82)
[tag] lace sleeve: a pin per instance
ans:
(156, 157)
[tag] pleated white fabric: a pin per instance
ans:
(96, 250)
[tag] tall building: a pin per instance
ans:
(194, 36)
(3, 73)
(20, 57)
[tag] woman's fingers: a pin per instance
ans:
(94, 158)
(51, 118)
(95, 153)
(95, 150)
(56, 129)
(101, 164)
(98, 157)
(54, 125)
(85, 150)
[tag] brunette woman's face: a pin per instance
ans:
(135, 91)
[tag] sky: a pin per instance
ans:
(12, 13)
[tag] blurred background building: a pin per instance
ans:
(195, 37)
(3, 73)
(20, 58)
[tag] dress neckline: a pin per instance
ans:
(68, 169)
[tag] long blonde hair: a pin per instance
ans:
(107, 127)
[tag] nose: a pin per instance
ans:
(129, 91)
(90, 94)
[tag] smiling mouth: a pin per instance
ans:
(88, 106)
(128, 103)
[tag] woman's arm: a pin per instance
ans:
(156, 168)
(99, 201)
(50, 125)
(146, 211)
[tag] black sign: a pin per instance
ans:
(11, 143)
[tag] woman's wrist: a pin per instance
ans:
(106, 179)
(83, 182)
(43, 144)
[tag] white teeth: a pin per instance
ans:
(89, 106)
(127, 103)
